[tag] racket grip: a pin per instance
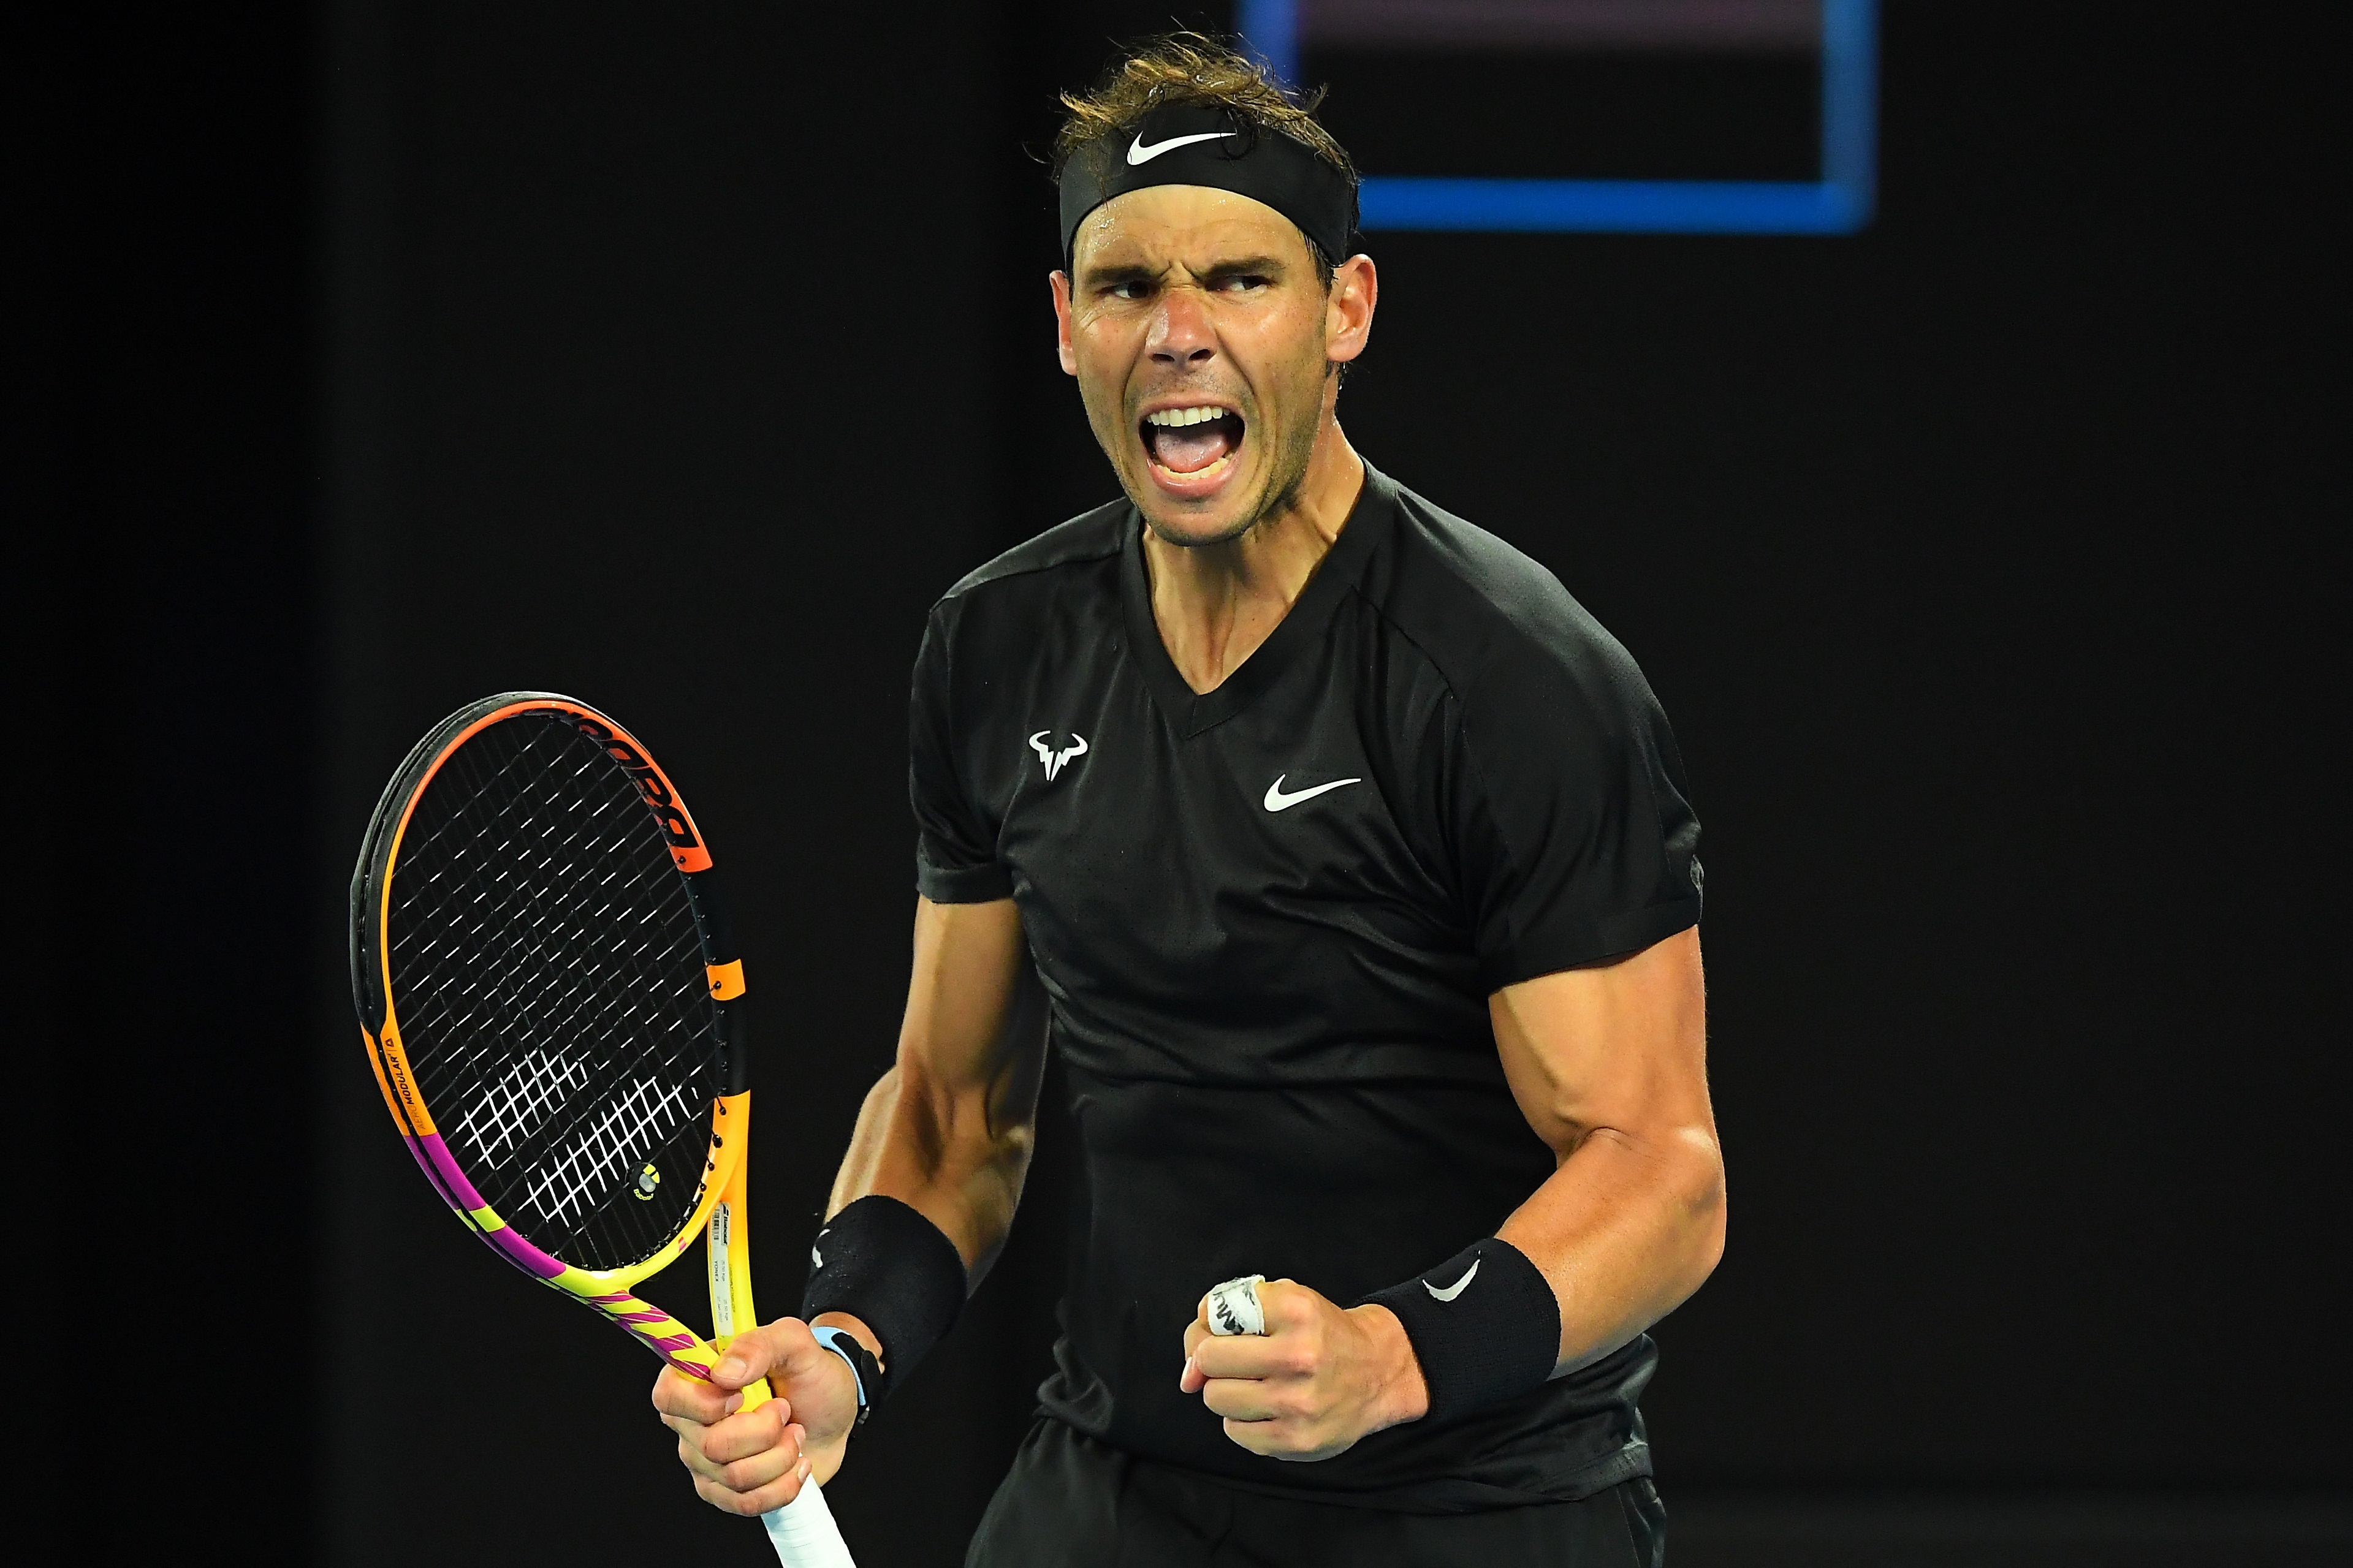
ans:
(804, 1533)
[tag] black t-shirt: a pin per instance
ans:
(1269, 918)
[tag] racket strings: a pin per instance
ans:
(630, 1127)
(520, 1103)
(547, 962)
(596, 1160)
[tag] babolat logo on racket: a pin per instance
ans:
(685, 843)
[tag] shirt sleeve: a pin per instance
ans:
(955, 844)
(1577, 837)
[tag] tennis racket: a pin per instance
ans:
(553, 1008)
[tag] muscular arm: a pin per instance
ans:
(948, 1129)
(1609, 1064)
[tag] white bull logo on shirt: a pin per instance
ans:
(1056, 761)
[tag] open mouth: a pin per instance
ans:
(1191, 445)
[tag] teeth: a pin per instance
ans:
(1179, 417)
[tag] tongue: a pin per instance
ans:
(1192, 448)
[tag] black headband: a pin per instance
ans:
(1202, 145)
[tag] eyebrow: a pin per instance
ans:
(1131, 272)
(1106, 276)
(1262, 266)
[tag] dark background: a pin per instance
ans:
(385, 356)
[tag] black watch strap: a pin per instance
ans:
(864, 1370)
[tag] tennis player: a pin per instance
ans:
(1357, 866)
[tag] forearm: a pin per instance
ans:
(955, 1158)
(1624, 1231)
(954, 1153)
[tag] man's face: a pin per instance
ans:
(1200, 332)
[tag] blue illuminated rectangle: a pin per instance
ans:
(1839, 201)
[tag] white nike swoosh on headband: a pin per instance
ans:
(1278, 800)
(1137, 153)
(1454, 1290)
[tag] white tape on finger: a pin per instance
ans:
(804, 1533)
(1234, 1307)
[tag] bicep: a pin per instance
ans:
(947, 1129)
(974, 1020)
(1621, 1045)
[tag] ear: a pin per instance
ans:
(1348, 312)
(1060, 284)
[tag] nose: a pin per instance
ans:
(1180, 337)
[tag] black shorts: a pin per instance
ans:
(1071, 1502)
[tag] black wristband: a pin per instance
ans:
(1484, 1325)
(896, 1271)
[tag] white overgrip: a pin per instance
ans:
(804, 1533)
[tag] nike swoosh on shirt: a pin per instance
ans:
(1278, 800)
(1137, 153)
(1454, 1290)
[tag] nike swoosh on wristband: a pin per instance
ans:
(1137, 153)
(1454, 1290)
(1278, 800)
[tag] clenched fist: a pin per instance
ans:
(1316, 1381)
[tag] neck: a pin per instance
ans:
(1216, 604)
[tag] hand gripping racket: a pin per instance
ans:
(553, 1008)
